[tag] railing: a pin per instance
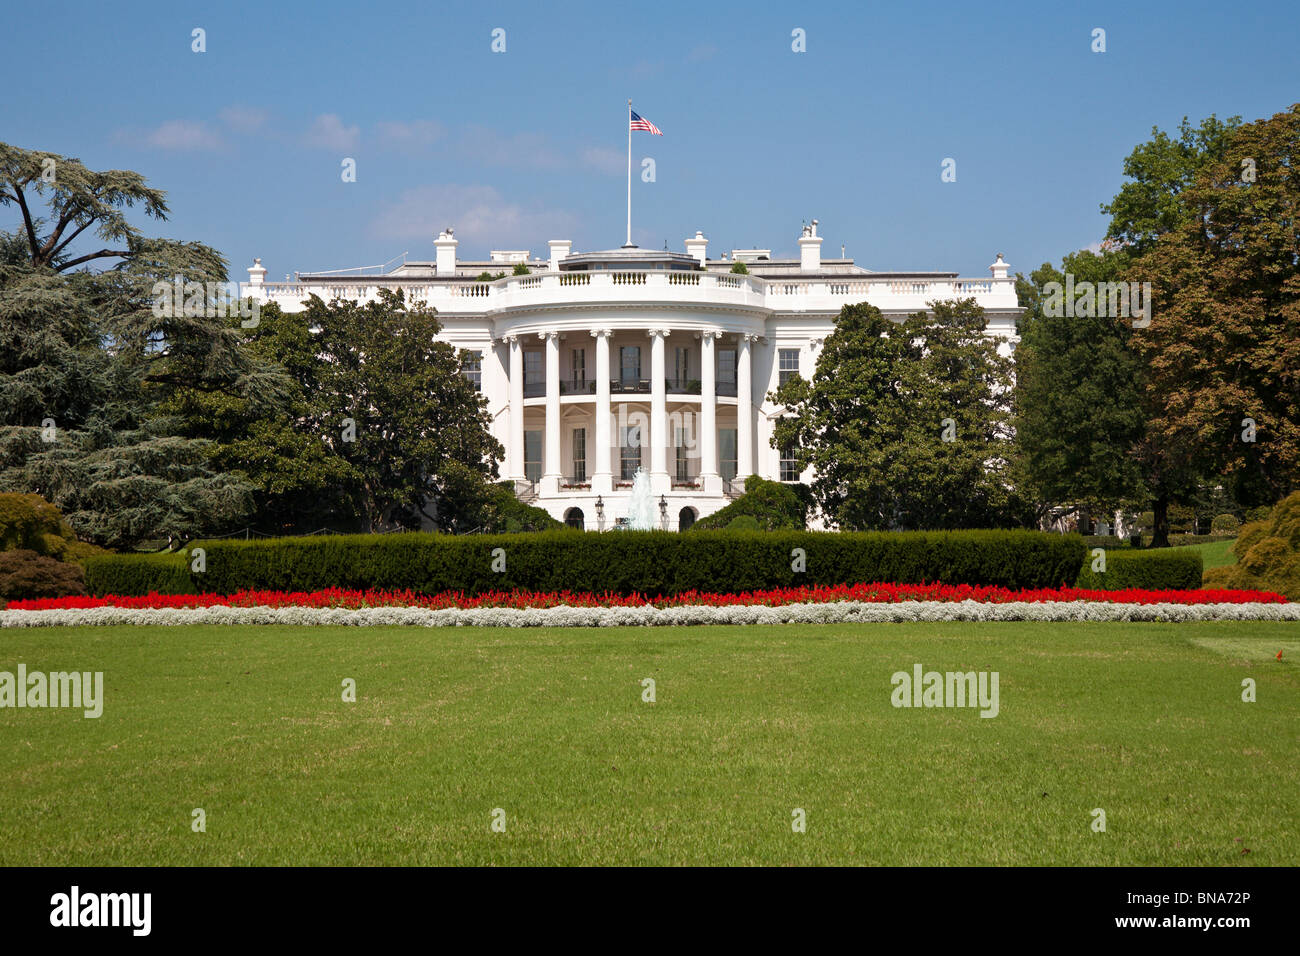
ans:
(629, 385)
(526, 490)
(534, 389)
(578, 386)
(726, 388)
(683, 386)
(671, 284)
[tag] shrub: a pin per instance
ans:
(1163, 569)
(743, 523)
(1268, 553)
(740, 269)
(29, 522)
(1258, 514)
(771, 504)
(645, 562)
(1224, 524)
(137, 574)
(26, 574)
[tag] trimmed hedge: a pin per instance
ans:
(1160, 569)
(646, 562)
(137, 574)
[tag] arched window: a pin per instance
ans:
(685, 518)
(574, 518)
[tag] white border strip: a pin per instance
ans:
(833, 612)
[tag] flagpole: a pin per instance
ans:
(629, 172)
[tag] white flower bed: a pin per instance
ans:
(838, 612)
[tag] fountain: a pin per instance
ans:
(641, 506)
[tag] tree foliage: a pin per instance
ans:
(87, 361)
(905, 423)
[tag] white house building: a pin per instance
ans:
(598, 364)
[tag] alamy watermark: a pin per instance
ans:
(180, 299)
(56, 689)
(1087, 300)
(952, 689)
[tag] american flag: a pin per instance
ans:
(642, 123)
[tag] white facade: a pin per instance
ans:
(598, 363)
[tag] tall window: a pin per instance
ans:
(681, 366)
(727, 366)
(471, 364)
(534, 378)
(533, 455)
(579, 360)
(629, 451)
(580, 454)
(683, 452)
(727, 453)
(788, 365)
(630, 361)
(789, 467)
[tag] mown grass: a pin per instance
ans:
(1216, 554)
(1144, 721)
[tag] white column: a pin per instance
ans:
(659, 437)
(710, 480)
(602, 478)
(551, 440)
(515, 449)
(744, 408)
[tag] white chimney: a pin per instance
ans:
(559, 251)
(698, 247)
(256, 274)
(999, 268)
(446, 245)
(810, 249)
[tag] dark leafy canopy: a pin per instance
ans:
(85, 364)
(384, 430)
(1078, 399)
(1150, 204)
(1224, 342)
(874, 419)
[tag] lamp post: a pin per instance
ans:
(663, 512)
(600, 513)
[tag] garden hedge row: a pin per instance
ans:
(648, 562)
(1161, 569)
(136, 574)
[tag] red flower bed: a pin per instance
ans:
(874, 593)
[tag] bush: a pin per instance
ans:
(1258, 514)
(1162, 569)
(30, 523)
(772, 504)
(137, 574)
(743, 523)
(645, 562)
(1224, 524)
(1268, 553)
(26, 574)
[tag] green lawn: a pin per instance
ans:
(1143, 720)
(1216, 554)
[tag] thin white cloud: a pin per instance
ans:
(328, 132)
(176, 135)
(479, 214)
(408, 135)
(244, 119)
(602, 159)
(527, 150)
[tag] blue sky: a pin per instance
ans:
(519, 147)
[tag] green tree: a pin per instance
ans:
(1223, 346)
(1150, 204)
(1078, 394)
(384, 430)
(90, 359)
(906, 424)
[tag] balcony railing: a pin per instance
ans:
(727, 388)
(465, 294)
(618, 386)
(534, 389)
(577, 386)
